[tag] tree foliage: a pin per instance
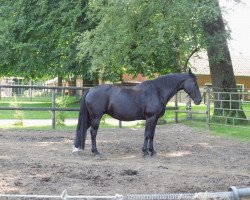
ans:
(140, 36)
(38, 37)
(104, 38)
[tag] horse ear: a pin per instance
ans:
(189, 71)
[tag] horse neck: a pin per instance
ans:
(169, 85)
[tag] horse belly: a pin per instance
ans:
(125, 110)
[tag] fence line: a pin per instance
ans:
(53, 108)
(233, 194)
(40, 109)
(209, 96)
(45, 87)
(230, 106)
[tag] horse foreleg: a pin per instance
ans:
(145, 147)
(151, 146)
(93, 131)
(149, 136)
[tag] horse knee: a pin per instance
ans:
(93, 132)
(95, 124)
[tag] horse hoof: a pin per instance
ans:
(153, 153)
(77, 151)
(145, 155)
(98, 156)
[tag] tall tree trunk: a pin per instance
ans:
(221, 68)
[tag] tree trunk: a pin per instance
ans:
(221, 68)
(72, 83)
(59, 83)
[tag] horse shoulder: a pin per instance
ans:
(154, 104)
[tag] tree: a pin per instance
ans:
(151, 37)
(38, 38)
(24, 53)
(144, 37)
(220, 63)
(115, 37)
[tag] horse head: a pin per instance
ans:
(190, 86)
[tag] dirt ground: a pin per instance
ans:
(41, 162)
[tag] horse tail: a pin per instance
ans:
(83, 123)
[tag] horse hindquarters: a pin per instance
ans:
(84, 123)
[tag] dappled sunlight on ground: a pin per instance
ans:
(176, 154)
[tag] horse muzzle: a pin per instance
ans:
(197, 101)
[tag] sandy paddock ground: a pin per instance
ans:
(41, 162)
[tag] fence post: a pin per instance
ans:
(53, 108)
(188, 108)
(208, 109)
(30, 90)
(120, 124)
(176, 107)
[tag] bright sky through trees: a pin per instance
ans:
(238, 18)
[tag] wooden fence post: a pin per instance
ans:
(208, 109)
(53, 109)
(189, 108)
(30, 90)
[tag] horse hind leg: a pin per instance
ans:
(93, 131)
(149, 136)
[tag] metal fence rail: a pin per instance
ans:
(232, 194)
(230, 106)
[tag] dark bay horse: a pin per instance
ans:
(146, 101)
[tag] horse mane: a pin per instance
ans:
(169, 80)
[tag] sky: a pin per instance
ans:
(238, 18)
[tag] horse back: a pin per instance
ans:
(126, 103)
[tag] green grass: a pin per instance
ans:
(199, 122)
(38, 102)
(241, 133)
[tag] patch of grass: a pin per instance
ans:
(199, 122)
(241, 133)
(37, 102)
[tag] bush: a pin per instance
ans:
(18, 114)
(61, 102)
